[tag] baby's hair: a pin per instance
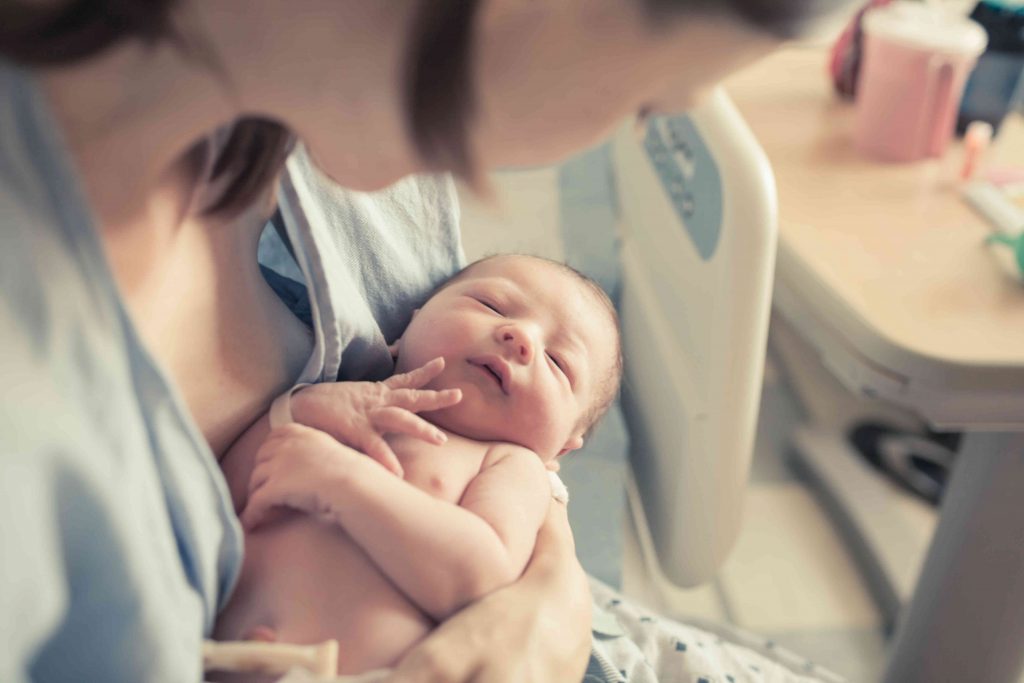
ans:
(610, 389)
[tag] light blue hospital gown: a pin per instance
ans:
(117, 537)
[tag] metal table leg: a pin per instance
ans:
(966, 619)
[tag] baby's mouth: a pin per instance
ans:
(496, 369)
(495, 375)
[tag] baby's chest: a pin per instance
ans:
(442, 471)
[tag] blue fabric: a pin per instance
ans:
(367, 258)
(117, 540)
(292, 293)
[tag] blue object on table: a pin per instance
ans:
(995, 84)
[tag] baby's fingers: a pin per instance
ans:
(418, 378)
(398, 421)
(420, 400)
(258, 508)
(377, 448)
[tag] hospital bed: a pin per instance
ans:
(697, 208)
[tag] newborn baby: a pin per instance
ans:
(338, 547)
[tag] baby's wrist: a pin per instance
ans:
(351, 471)
(331, 492)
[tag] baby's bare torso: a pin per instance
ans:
(309, 581)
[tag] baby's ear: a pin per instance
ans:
(576, 441)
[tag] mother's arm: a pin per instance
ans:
(537, 629)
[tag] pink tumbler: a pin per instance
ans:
(917, 58)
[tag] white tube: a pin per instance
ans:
(272, 658)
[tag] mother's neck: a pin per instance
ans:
(328, 69)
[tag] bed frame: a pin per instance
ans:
(698, 210)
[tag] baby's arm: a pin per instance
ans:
(442, 556)
(357, 414)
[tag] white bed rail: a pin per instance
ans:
(697, 199)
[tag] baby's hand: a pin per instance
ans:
(359, 414)
(297, 467)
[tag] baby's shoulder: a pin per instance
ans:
(509, 454)
(455, 448)
(518, 469)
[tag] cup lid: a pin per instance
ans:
(921, 25)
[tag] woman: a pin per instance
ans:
(134, 317)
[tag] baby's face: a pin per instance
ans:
(529, 345)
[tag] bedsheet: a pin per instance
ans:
(637, 645)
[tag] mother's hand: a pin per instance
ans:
(535, 631)
(359, 414)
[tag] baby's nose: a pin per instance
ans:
(519, 341)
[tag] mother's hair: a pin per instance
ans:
(439, 100)
(38, 34)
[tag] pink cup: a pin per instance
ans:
(916, 61)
